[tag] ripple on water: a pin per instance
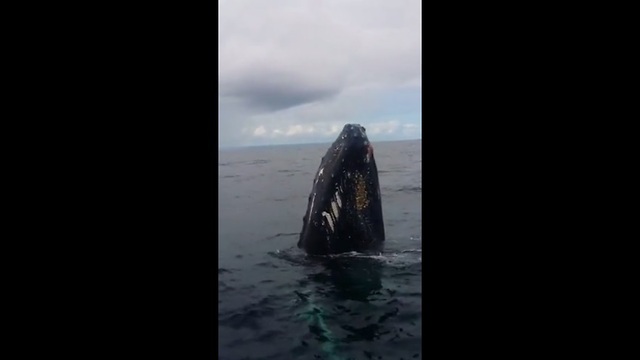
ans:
(337, 306)
(356, 299)
(286, 305)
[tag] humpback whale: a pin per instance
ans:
(344, 212)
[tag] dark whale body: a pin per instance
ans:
(344, 213)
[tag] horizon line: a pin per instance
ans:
(304, 143)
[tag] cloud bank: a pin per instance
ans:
(298, 70)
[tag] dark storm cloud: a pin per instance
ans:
(278, 91)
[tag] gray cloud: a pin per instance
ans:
(272, 91)
(287, 63)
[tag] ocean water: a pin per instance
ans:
(277, 303)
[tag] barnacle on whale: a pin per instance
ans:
(362, 199)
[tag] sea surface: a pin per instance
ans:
(277, 303)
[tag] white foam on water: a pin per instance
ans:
(391, 257)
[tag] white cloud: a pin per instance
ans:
(412, 130)
(388, 127)
(260, 131)
(299, 129)
(327, 131)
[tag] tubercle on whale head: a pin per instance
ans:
(353, 144)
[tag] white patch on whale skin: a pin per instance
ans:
(319, 174)
(369, 152)
(338, 200)
(328, 217)
(336, 212)
(313, 199)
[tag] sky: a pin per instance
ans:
(296, 71)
